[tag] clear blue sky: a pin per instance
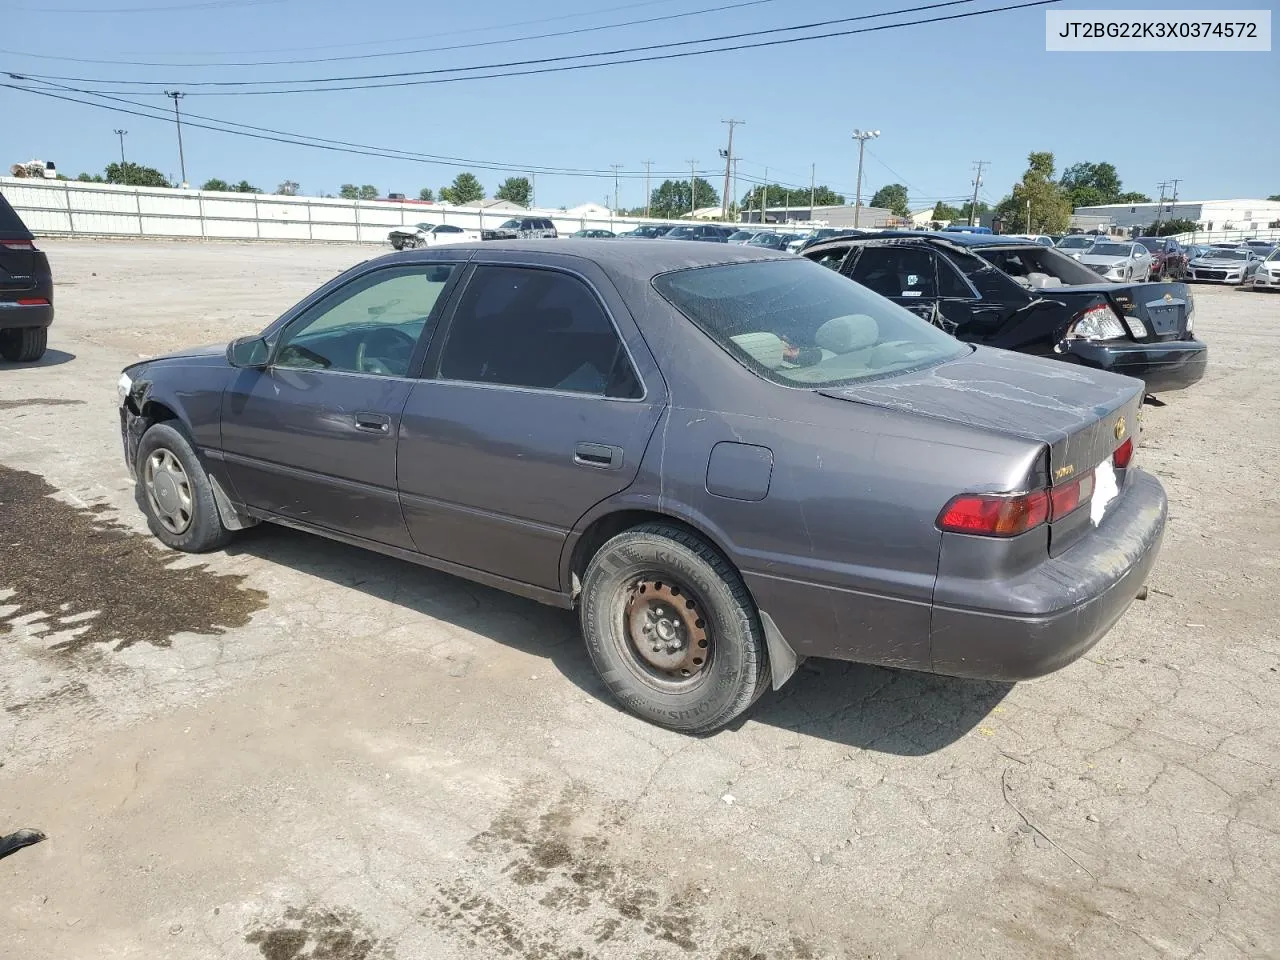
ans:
(942, 95)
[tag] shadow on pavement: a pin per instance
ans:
(872, 708)
(51, 358)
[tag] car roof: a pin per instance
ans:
(639, 259)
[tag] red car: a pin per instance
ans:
(1168, 259)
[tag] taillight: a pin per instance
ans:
(17, 244)
(33, 302)
(1097, 323)
(994, 515)
(1008, 515)
(1123, 454)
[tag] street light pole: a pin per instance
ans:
(862, 136)
(177, 116)
(120, 134)
(693, 187)
(616, 168)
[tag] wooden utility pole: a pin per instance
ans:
(648, 165)
(977, 182)
(728, 166)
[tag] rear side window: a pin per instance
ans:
(11, 225)
(832, 257)
(539, 329)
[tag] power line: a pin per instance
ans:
(406, 53)
(322, 143)
(566, 67)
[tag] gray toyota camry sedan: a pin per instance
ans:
(727, 459)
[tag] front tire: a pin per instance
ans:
(175, 494)
(672, 629)
(24, 344)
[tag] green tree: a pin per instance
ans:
(135, 175)
(426, 193)
(780, 196)
(1132, 197)
(1088, 184)
(1274, 198)
(515, 190)
(90, 178)
(892, 197)
(368, 192)
(287, 189)
(672, 197)
(349, 191)
(943, 211)
(1167, 228)
(213, 183)
(244, 186)
(1050, 208)
(464, 189)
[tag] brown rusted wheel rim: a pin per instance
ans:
(667, 630)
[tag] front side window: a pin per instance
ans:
(896, 271)
(541, 329)
(797, 324)
(370, 325)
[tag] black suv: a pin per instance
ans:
(522, 228)
(26, 290)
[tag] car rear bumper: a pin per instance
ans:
(1163, 365)
(1076, 597)
(14, 315)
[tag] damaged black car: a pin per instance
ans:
(1018, 295)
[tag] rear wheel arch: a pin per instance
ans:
(608, 525)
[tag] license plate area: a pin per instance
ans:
(1164, 316)
(1106, 488)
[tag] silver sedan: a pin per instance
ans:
(1119, 261)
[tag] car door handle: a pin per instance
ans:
(598, 455)
(373, 422)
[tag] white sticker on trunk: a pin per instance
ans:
(1105, 489)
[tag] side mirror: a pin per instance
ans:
(248, 352)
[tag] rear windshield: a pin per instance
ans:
(1111, 250)
(798, 324)
(1021, 262)
(1075, 243)
(1154, 244)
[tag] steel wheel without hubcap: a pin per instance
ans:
(168, 490)
(667, 634)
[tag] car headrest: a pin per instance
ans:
(856, 331)
(765, 349)
(1039, 281)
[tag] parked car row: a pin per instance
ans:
(1163, 258)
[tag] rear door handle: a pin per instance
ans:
(373, 422)
(598, 455)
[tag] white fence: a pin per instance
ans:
(74, 208)
(1222, 236)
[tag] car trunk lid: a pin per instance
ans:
(1080, 415)
(1165, 309)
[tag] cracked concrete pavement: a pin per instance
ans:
(345, 757)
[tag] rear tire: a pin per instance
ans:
(24, 344)
(169, 474)
(702, 628)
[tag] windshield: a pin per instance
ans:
(681, 232)
(1154, 244)
(1021, 263)
(1075, 243)
(426, 227)
(1275, 255)
(1111, 250)
(741, 235)
(799, 324)
(1227, 255)
(764, 239)
(510, 225)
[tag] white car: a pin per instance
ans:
(430, 235)
(1268, 274)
